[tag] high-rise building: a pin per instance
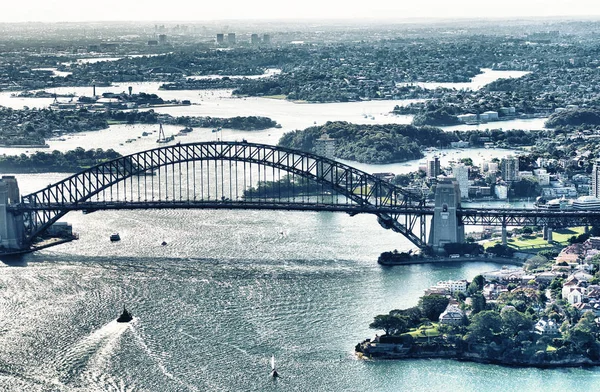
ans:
(254, 40)
(162, 39)
(510, 168)
(461, 173)
(325, 146)
(266, 39)
(220, 38)
(433, 167)
(595, 188)
(231, 38)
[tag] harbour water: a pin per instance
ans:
(229, 290)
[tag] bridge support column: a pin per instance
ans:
(504, 236)
(445, 225)
(545, 233)
(549, 234)
(11, 224)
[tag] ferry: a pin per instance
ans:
(115, 237)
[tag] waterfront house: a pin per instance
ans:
(452, 316)
(546, 327)
(492, 291)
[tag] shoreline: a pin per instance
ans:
(440, 260)
(475, 358)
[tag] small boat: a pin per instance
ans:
(274, 373)
(125, 317)
(164, 243)
(161, 136)
(115, 237)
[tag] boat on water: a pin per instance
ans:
(125, 317)
(274, 373)
(115, 237)
(164, 243)
(162, 138)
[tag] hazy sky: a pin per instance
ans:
(191, 10)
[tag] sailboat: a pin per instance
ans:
(274, 373)
(161, 136)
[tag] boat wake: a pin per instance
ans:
(86, 364)
(159, 363)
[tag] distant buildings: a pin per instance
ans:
(501, 192)
(325, 146)
(595, 188)
(231, 38)
(510, 168)
(220, 38)
(433, 167)
(461, 173)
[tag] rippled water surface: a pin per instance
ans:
(229, 290)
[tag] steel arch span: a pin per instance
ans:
(232, 175)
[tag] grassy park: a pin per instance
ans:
(536, 242)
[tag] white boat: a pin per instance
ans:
(274, 373)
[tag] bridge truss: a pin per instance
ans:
(232, 175)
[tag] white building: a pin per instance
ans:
(523, 174)
(452, 316)
(501, 192)
(510, 168)
(452, 286)
(461, 173)
(466, 118)
(546, 327)
(491, 115)
(595, 189)
(542, 176)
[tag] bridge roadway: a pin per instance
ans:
(468, 216)
(236, 175)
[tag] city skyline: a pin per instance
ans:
(179, 10)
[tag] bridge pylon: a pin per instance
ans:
(446, 227)
(11, 222)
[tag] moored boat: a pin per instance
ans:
(115, 237)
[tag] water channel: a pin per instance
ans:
(230, 289)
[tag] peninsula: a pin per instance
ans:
(541, 315)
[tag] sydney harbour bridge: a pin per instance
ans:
(242, 175)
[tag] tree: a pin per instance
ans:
(479, 280)
(501, 250)
(514, 321)
(484, 326)
(478, 303)
(392, 325)
(412, 315)
(467, 161)
(527, 230)
(432, 306)
(535, 262)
